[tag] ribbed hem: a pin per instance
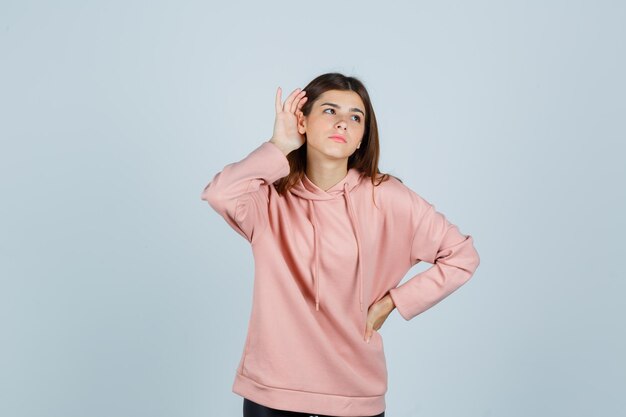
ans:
(307, 402)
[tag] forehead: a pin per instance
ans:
(342, 98)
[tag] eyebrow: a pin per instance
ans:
(338, 107)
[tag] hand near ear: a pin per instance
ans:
(286, 135)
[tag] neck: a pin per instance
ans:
(325, 176)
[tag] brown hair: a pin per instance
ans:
(365, 158)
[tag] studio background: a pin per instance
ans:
(123, 294)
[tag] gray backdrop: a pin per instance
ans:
(123, 294)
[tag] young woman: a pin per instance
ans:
(332, 238)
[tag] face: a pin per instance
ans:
(335, 112)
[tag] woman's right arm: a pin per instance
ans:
(240, 192)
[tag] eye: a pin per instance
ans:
(358, 118)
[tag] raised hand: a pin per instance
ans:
(286, 135)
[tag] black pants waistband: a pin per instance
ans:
(252, 409)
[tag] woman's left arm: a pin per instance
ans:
(439, 242)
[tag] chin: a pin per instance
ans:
(330, 151)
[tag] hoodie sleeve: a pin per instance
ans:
(439, 242)
(239, 193)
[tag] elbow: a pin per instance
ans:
(469, 255)
(463, 255)
(211, 196)
(213, 191)
(469, 261)
(465, 258)
(470, 264)
(206, 193)
(475, 259)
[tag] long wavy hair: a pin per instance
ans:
(364, 158)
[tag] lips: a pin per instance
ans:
(338, 138)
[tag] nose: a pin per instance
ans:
(342, 124)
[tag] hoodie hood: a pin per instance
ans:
(306, 189)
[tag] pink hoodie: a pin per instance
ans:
(322, 258)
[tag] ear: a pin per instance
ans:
(301, 123)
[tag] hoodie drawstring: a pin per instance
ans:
(315, 250)
(355, 225)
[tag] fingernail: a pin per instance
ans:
(368, 339)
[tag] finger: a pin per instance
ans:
(368, 333)
(287, 106)
(277, 101)
(294, 104)
(300, 103)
